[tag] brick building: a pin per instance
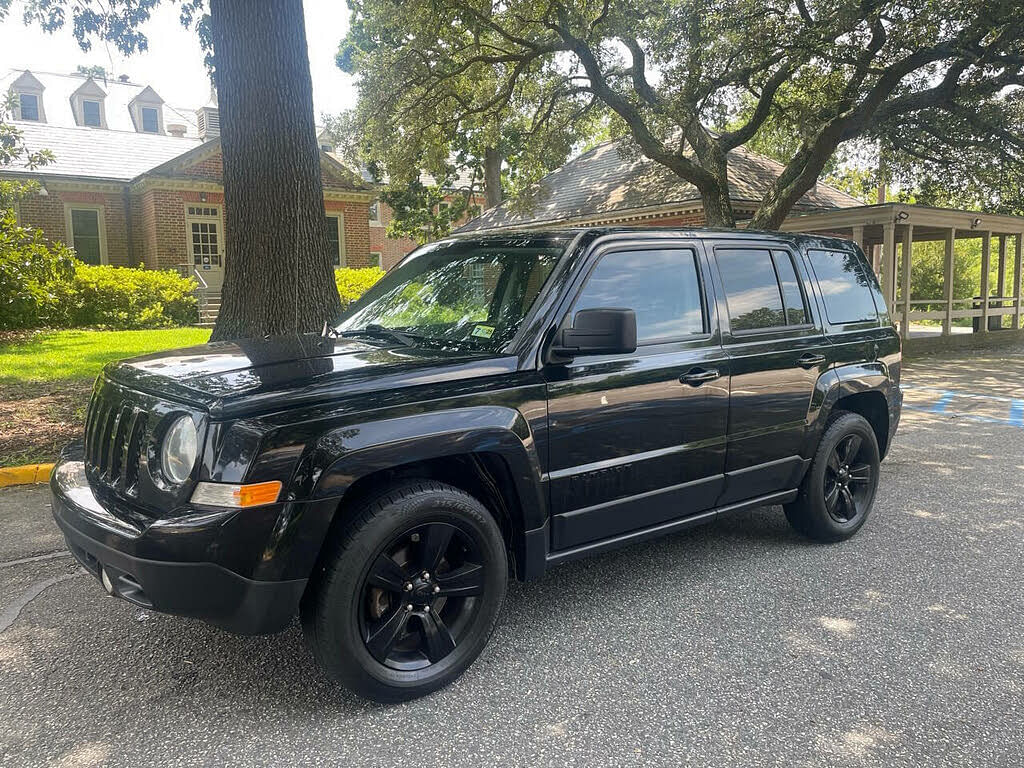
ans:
(137, 182)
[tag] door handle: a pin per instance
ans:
(808, 360)
(697, 376)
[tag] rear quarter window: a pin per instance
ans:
(846, 287)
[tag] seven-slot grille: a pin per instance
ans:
(115, 433)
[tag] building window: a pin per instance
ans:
(150, 120)
(86, 234)
(29, 103)
(91, 114)
(326, 147)
(375, 213)
(336, 239)
(376, 260)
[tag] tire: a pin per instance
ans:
(839, 488)
(408, 593)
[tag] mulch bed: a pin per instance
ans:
(38, 419)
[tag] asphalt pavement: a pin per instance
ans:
(737, 644)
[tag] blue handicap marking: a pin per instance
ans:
(943, 402)
(944, 405)
(1017, 413)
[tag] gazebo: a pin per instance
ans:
(887, 232)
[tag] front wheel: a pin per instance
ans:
(409, 593)
(839, 488)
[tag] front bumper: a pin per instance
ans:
(155, 564)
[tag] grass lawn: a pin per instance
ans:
(46, 378)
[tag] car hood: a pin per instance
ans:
(278, 371)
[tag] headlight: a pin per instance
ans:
(181, 446)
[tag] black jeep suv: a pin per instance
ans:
(493, 404)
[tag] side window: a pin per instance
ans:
(751, 288)
(661, 286)
(845, 285)
(792, 296)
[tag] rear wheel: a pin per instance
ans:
(839, 489)
(409, 593)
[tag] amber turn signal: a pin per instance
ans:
(237, 496)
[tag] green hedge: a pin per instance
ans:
(125, 297)
(87, 295)
(353, 283)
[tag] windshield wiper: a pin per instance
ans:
(379, 331)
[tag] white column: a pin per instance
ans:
(986, 265)
(908, 251)
(858, 238)
(889, 265)
(1001, 285)
(947, 322)
(1016, 279)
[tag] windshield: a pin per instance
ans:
(457, 293)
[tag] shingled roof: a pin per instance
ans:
(606, 181)
(91, 153)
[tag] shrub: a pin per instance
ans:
(126, 297)
(32, 271)
(353, 283)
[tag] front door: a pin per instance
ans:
(206, 243)
(639, 439)
(777, 350)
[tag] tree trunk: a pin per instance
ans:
(718, 208)
(493, 194)
(278, 276)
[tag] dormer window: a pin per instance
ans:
(87, 104)
(150, 120)
(29, 106)
(147, 110)
(28, 98)
(91, 114)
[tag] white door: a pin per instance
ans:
(205, 243)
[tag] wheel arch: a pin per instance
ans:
(492, 459)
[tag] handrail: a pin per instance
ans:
(202, 282)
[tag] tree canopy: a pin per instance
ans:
(688, 81)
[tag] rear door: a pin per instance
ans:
(639, 439)
(777, 350)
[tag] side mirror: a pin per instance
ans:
(597, 332)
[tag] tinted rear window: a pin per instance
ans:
(751, 288)
(846, 287)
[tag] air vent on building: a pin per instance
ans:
(176, 129)
(208, 119)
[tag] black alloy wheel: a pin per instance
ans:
(848, 479)
(407, 591)
(839, 487)
(420, 596)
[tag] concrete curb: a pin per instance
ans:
(30, 473)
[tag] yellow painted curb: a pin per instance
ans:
(30, 473)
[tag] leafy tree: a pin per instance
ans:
(31, 268)
(278, 276)
(94, 70)
(673, 75)
(502, 124)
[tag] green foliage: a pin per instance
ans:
(423, 212)
(123, 297)
(353, 283)
(686, 81)
(31, 270)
